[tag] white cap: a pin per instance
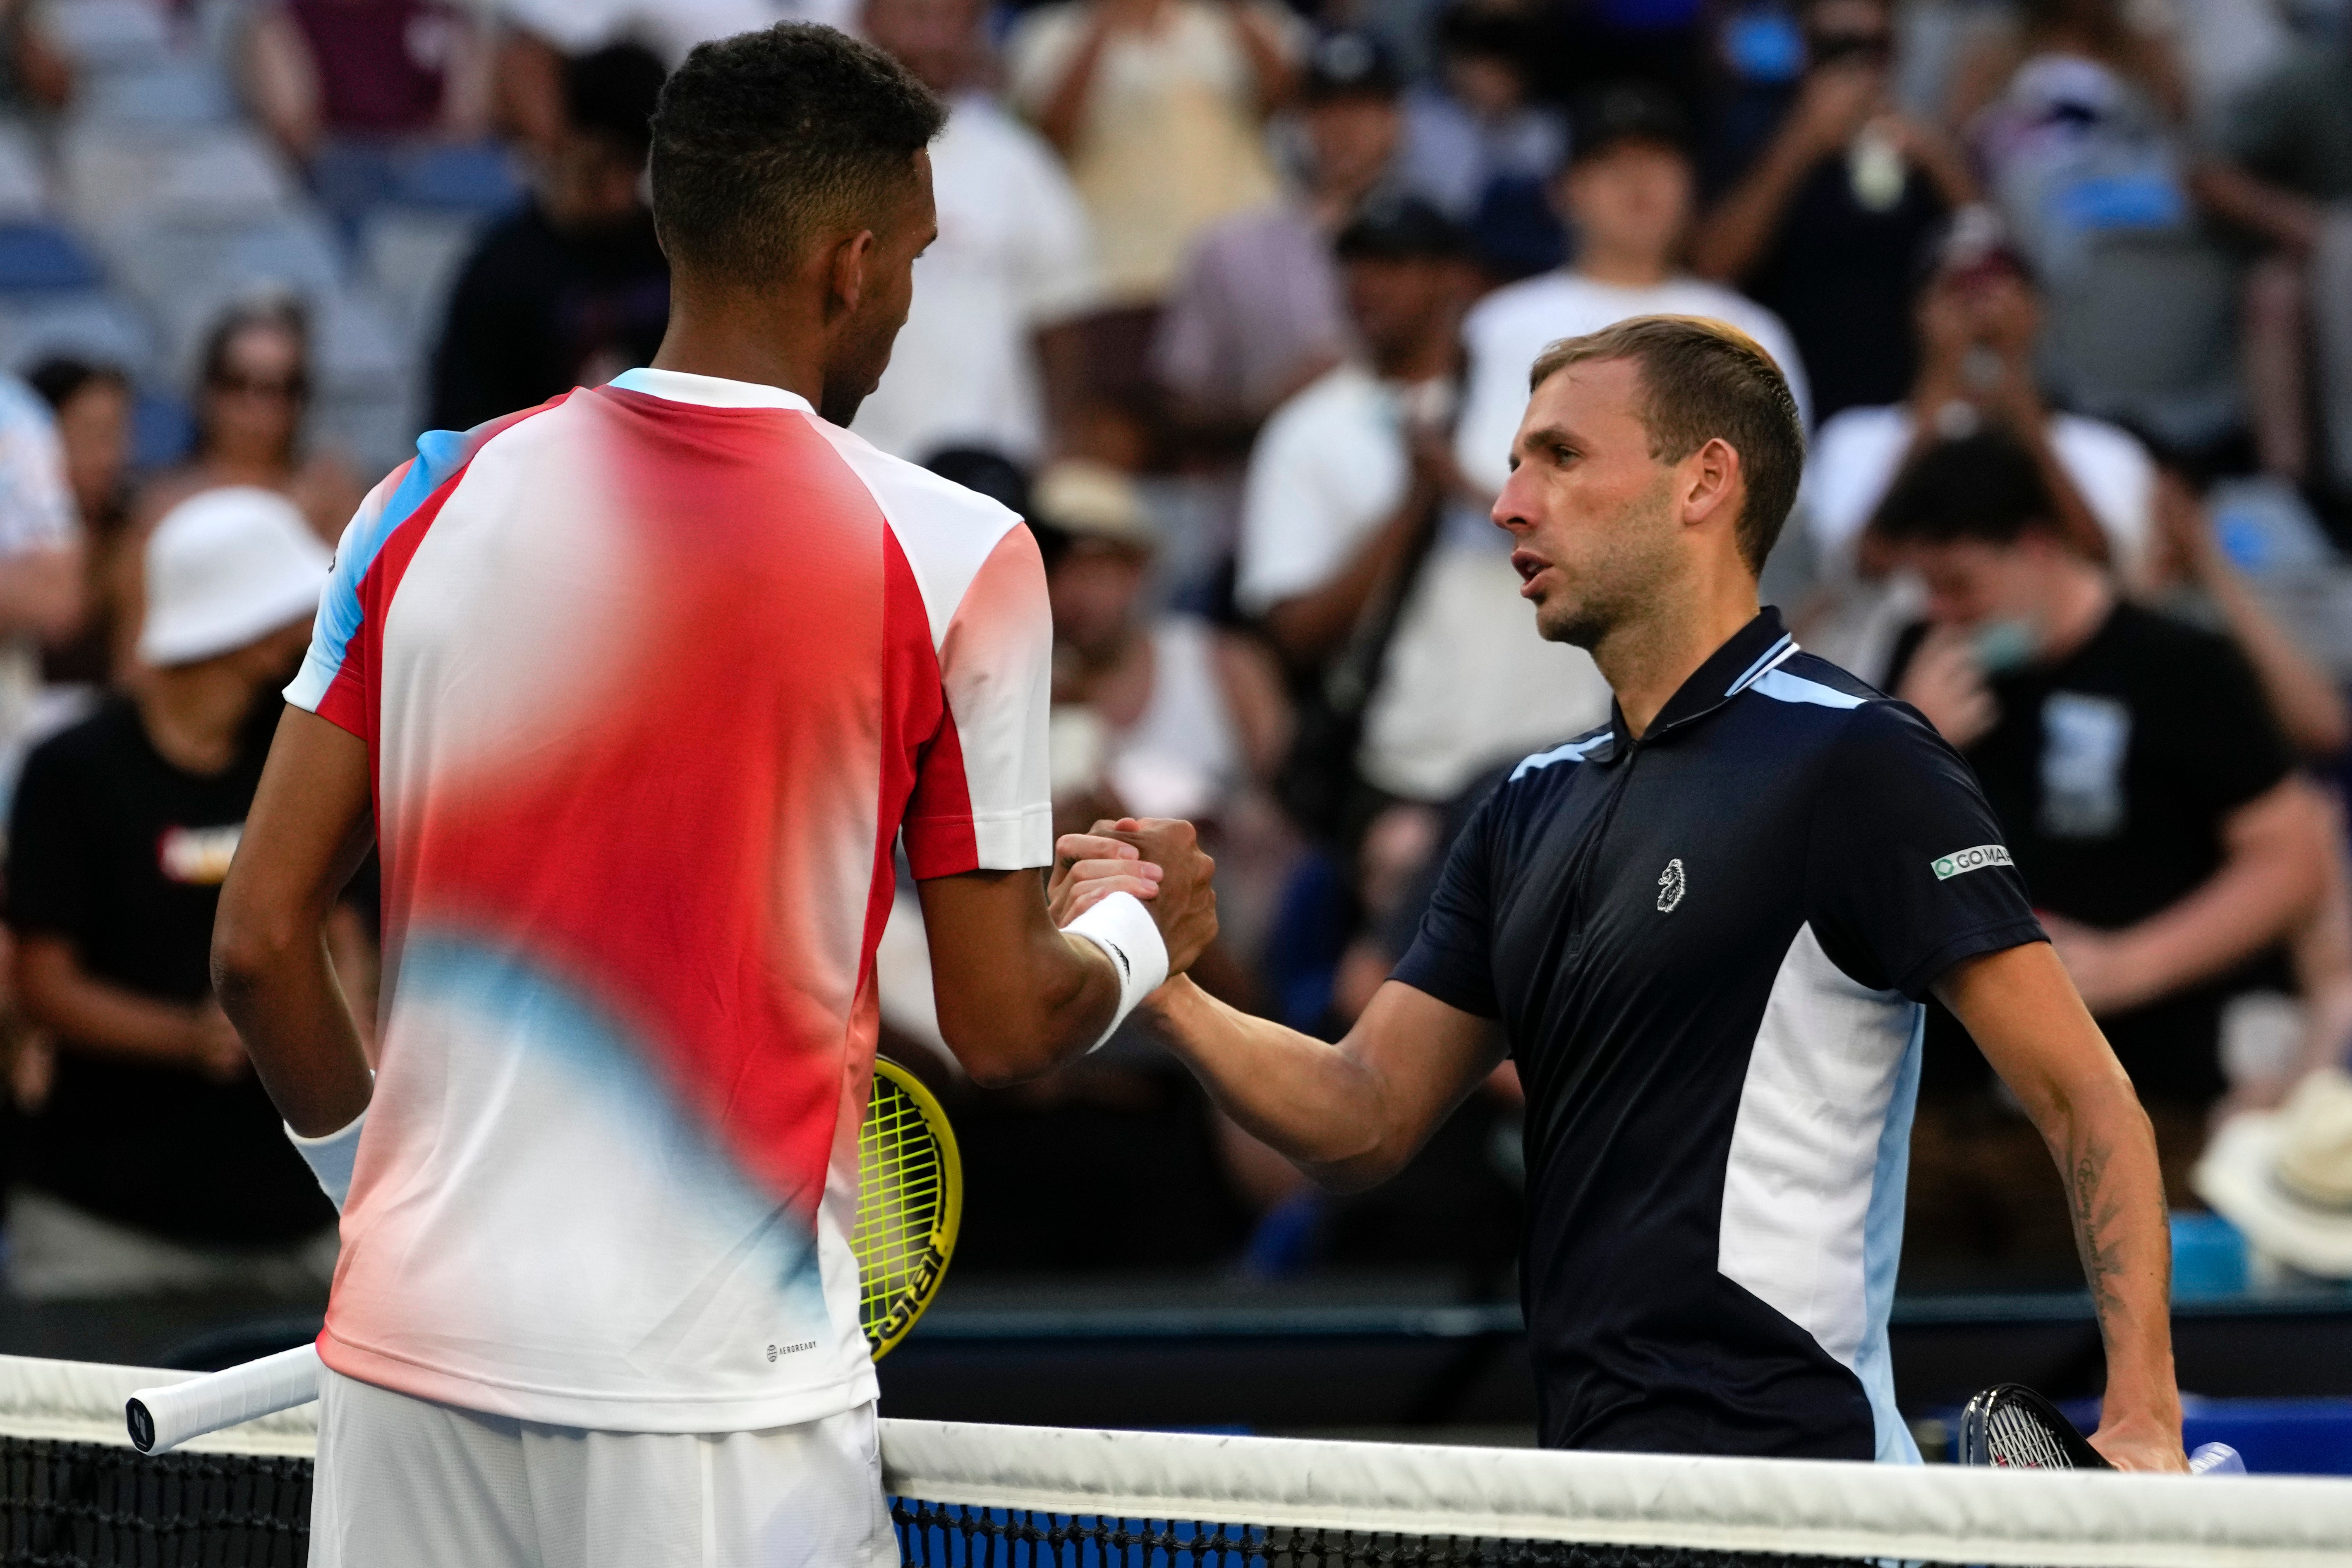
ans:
(224, 569)
(2284, 1177)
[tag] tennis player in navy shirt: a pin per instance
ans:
(1708, 930)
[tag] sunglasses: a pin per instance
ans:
(289, 388)
(1873, 49)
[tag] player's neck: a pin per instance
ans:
(1647, 660)
(741, 338)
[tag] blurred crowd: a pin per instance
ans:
(1234, 300)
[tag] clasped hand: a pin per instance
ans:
(1157, 859)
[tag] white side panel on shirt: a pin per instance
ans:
(993, 631)
(1810, 1153)
(946, 530)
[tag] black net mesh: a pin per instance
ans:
(92, 1505)
(950, 1535)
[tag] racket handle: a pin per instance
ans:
(161, 1419)
(2216, 1459)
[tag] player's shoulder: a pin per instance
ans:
(913, 498)
(946, 531)
(1858, 732)
(1807, 695)
(1554, 767)
(1808, 681)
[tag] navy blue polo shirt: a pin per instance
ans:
(1708, 948)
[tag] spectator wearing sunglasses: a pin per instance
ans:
(1826, 197)
(252, 389)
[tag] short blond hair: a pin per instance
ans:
(1704, 379)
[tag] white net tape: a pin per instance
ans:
(1791, 1507)
(1885, 1513)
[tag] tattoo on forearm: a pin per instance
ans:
(2098, 1215)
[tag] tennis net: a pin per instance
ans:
(74, 1493)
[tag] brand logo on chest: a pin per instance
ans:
(1670, 884)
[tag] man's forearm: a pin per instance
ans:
(2024, 1013)
(2115, 1194)
(1307, 1099)
(310, 828)
(290, 1010)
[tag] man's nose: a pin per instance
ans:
(1509, 512)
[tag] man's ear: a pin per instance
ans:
(849, 258)
(1712, 481)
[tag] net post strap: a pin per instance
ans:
(1943, 1514)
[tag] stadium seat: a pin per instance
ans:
(41, 257)
(411, 258)
(86, 324)
(365, 394)
(187, 273)
(135, 64)
(23, 185)
(116, 177)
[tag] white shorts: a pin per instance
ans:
(408, 1483)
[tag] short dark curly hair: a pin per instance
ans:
(765, 141)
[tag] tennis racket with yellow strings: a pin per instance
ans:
(910, 1203)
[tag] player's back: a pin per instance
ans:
(650, 677)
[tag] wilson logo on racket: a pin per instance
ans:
(910, 1205)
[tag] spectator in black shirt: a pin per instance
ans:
(1831, 195)
(572, 290)
(2141, 780)
(156, 1162)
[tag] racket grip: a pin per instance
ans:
(161, 1419)
(2216, 1459)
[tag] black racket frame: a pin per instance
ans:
(2006, 1397)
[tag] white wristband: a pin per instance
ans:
(1125, 931)
(330, 1157)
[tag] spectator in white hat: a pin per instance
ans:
(155, 1162)
(2284, 1177)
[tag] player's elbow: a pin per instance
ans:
(996, 1048)
(999, 1063)
(247, 951)
(1348, 1164)
(1342, 1177)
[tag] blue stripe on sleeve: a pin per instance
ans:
(439, 454)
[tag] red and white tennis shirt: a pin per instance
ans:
(652, 677)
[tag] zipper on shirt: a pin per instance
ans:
(1579, 901)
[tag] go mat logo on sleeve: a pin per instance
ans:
(1961, 861)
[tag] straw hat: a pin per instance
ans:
(2284, 1177)
(1093, 500)
(227, 568)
